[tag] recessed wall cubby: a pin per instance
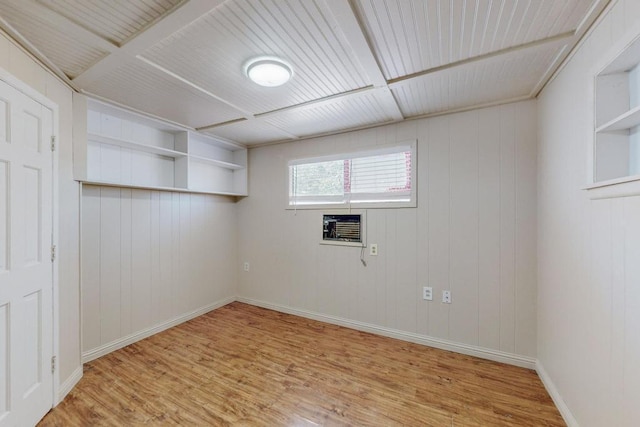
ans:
(617, 118)
(121, 148)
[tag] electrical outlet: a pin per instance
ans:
(246, 266)
(427, 293)
(373, 249)
(446, 297)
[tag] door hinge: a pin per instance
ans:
(53, 364)
(53, 143)
(53, 253)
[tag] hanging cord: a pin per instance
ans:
(294, 178)
(350, 166)
(362, 256)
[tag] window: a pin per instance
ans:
(383, 177)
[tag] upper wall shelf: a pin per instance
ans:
(123, 143)
(153, 187)
(222, 164)
(624, 121)
(116, 147)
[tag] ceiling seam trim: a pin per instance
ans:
(422, 116)
(166, 25)
(16, 38)
(247, 115)
(56, 17)
(600, 9)
(554, 39)
(217, 125)
(346, 18)
(273, 125)
(236, 121)
(555, 63)
(154, 21)
(320, 101)
(150, 116)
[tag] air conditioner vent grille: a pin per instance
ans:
(345, 228)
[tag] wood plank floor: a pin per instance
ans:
(244, 365)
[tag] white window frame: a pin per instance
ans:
(336, 202)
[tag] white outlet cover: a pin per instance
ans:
(446, 297)
(427, 293)
(373, 249)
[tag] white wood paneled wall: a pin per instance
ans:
(473, 232)
(149, 257)
(589, 250)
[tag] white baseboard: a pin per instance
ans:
(555, 395)
(68, 384)
(470, 350)
(130, 339)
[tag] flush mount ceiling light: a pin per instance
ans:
(268, 71)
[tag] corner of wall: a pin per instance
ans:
(566, 413)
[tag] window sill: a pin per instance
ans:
(627, 186)
(343, 243)
(339, 206)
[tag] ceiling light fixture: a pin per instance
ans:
(268, 71)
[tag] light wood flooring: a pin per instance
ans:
(244, 365)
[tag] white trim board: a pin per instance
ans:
(68, 385)
(145, 333)
(470, 350)
(555, 396)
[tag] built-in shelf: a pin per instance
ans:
(103, 139)
(621, 187)
(222, 164)
(624, 121)
(116, 147)
(616, 137)
(157, 188)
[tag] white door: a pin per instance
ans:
(26, 274)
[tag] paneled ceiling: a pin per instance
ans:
(356, 63)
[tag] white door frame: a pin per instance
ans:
(41, 99)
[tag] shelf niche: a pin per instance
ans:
(617, 117)
(118, 147)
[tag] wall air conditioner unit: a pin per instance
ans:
(341, 229)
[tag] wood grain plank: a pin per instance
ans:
(463, 282)
(406, 292)
(244, 365)
(389, 255)
(141, 262)
(422, 227)
(526, 206)
(176, 254)
(109, 264)
(154, 251)
(489, 232)
(125, 262)
(91, 267)
(163, 289)
(507, 229)
(439, 223)
(632, 310)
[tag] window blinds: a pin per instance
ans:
(375, 176)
